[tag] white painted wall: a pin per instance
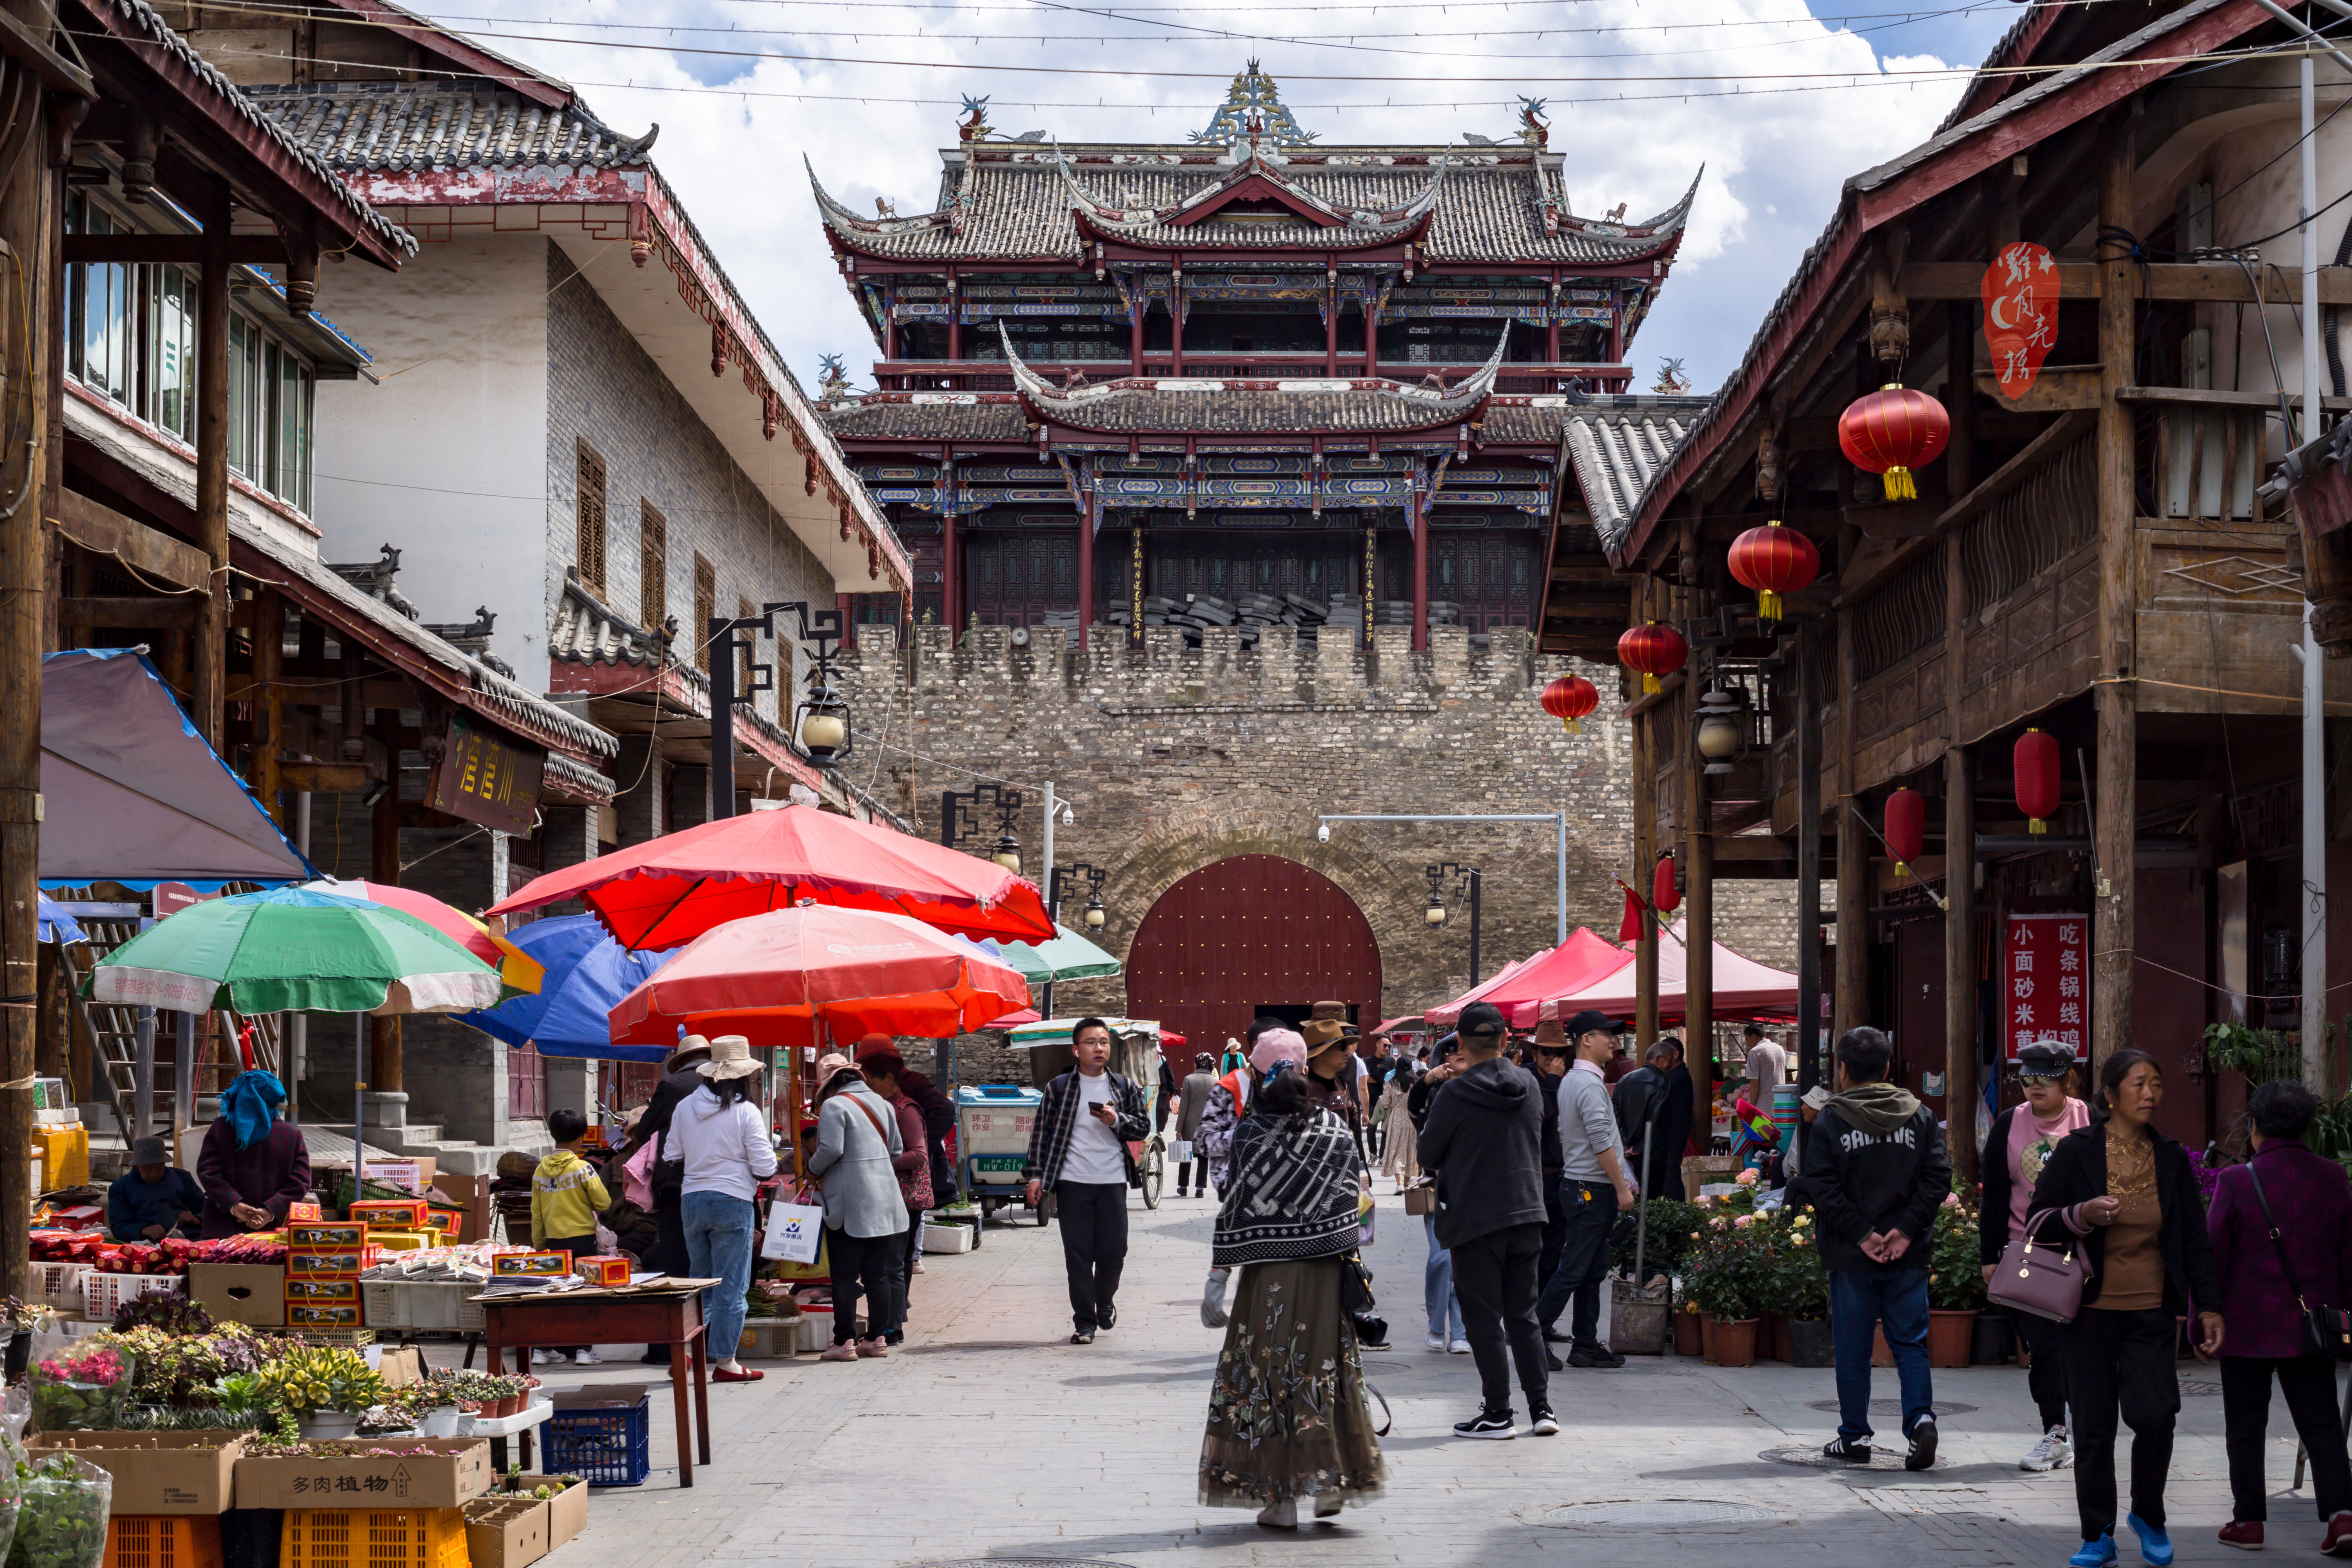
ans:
(446, 457)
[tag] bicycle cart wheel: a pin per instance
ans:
(1155, 1171)
(1044, 1210)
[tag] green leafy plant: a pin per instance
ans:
(1798, 1284)
(62, 1521)
(1729, 1269)
(2257, 1055)
(1670, 1222)
(1955, 1263)
(322, 1377)
(83, 1390)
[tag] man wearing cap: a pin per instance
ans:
(1192, 1104)
(156, 1199)
(1547, 1058)
(1077, 1152)
(1593, 1188)
(1483, 1139)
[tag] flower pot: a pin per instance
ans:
(1690, 1333)
(1995, 1340)
(1731, 1342)
(1810, 1342)
(1637, 1318)
(440, 1422)
(512, 1405)
(329, 1424)
(1950, 1337)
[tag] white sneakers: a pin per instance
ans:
(583, 1357)
(1460, 1347)
(541, 1357)
(1437, 1343)
(586, 1356)
(2055, 1452)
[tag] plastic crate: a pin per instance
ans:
(103, 1295)
(611, 1446)
(367, 1538)
(57, 1286)
(155, 1541)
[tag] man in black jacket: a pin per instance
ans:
(1670, 1141)
(1482, 1138)
(1875, 1172)
(1641, 1101)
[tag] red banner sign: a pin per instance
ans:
(2021, 324)
(2046, 982)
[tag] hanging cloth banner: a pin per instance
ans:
(2021, 324)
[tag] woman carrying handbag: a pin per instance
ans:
(2281, 1227)
(2128, 1192)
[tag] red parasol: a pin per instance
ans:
(673, 889)
(804, 976)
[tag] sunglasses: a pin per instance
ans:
(2040, 1081)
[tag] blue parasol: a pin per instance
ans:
(56, 925)
(587, 974)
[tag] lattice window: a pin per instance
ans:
(706, 606)
(1902, 617)
(653, 566)
(2033, 528)
(588, 505)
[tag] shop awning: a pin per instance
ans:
(1743, 988)
(1577, 962)
(131, 794)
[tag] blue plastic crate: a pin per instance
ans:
(607, 1447)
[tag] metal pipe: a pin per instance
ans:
(721, 632)
(2314, 724)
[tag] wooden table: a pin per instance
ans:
(673, 1318)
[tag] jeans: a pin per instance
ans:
(1494, 1275)
(2045, 1341)
(1859, 1299)
(906, 1279)
(2309, 1383)
(1591, 1215)
(1437, 1297)
(1555, 1232)
(867, 1265)
(1093, 1219)
(2121, 1360)
(719, 1246)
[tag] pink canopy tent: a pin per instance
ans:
(1445, 1012)
(1577, 962)
(1743, 988)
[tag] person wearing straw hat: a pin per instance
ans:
(720, 1137)
(678, 1081)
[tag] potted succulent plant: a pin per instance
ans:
(326, 1389)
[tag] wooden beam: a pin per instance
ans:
(212, 464)
(129, 613)
(2227, 284)
(2016, 471)
(172, 249)
(2060, 389)
(2202, 397)
(2116, 804)
(1959, 801)
(322, 778)
(1851, 1001)
(149, 552)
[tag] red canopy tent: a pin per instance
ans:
(1579, 961)
(1743, 988)
(1445, 1012)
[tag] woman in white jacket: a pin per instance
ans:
(720, 1133)
(864, 1212)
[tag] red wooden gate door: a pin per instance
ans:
(1252, 931)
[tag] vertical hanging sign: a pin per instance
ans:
(2021, 322)
(2045, 968)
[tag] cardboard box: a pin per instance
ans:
(401, 1214)
(325, 1234)
(325, 1265)
(303, 1315)
(504, 1531)
(603, 1270)
(253, 1294)
(567, 1512)
(456, 1471)
(529, 1265)
(593, 1396)
(323, 1292)
(299, 1211)
(470, 1196)
(156, 1472)
(400, 1366)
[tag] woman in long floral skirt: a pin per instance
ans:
(1288, 1416)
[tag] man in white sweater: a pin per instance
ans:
(1593, 1187)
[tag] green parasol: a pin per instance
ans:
(1068, 956)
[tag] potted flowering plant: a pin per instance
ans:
(83, 1390)
(1730, 1278)
(1956, 1291)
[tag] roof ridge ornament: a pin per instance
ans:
(1253, 95)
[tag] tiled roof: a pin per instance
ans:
(575, 779)
(379, 125)
(940, 416)
(140, 18)
(1488, 206)
(1617, 444)
(586, 631)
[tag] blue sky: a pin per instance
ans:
(1779, 103)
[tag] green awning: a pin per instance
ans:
(1068, 956)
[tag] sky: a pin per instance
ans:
(1779, 103)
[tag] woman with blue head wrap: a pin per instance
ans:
(253, 1164)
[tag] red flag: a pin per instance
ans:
(1630, 928)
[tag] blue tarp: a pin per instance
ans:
(587, 974)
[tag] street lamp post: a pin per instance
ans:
(1438, 876)
(1094, 877)
(820, 732)
(960, 820)
(1559, 819)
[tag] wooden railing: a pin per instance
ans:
(968, 376)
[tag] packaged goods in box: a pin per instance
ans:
(403, 1240)
(300, 1264)
(603, 1271)
(428, 1473)
(145, 1540)
(367, 1538)
(57, 1286)
(63, 1153)
(325, 1234)
(335, 1292)
(156, 1472)
(505, 1531)
(103, 1295)
(407, 1214)
(301, 1315)
(567, 1510)
(52, 1107)
(529, 1265)
(253, 1294)
(295, 1213)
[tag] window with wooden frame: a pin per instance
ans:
(653, 566)
(706, 606)
(588, 507)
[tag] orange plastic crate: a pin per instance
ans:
(367, 1538)
(156, 1541)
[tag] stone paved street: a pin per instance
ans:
(987, 1437)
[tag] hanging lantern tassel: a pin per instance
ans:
(1774, 561)
(1568, 698)
(1891, 432)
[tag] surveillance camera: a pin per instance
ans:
(1323, 833)
(1070, 817)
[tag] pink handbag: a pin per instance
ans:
(2037, 1278)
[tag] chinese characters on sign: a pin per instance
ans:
(485, 779)
(2046, 982)
(2021, 320)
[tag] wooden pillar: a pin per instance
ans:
(1139, 306)
(29, 197)
(890, 332)
(955, 320)
(1086, 514)
(268, 658)
(1696, 854)
(1960, 1087)
(1851, 1003)
(211, 640)
(1373, 335)
(1421, 500)
(1645, 855)
(1176, 321)
(1551, 324)
(2112, 829)
(1617, 329)
(383, 1032)
(1331, 326)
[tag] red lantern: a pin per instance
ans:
(1569, 699)
(1906, 823)
(1653, 650)
(1774, 561)
(2036, 763)
(1664, 897)
(1893, 431)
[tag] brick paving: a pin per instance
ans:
(987, 1437)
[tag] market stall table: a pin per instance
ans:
(668, 1314)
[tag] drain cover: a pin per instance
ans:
(1882, 1457)
(1661, 1513)
(1893, 1407)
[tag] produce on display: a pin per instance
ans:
(81, 1390)
(61, 1523)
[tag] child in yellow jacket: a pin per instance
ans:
(566, 1196)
